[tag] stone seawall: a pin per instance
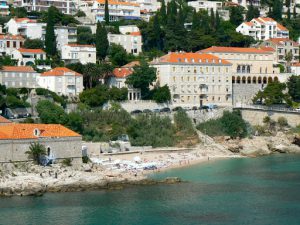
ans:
(256, 116)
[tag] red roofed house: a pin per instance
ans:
(59, 141)
(26, 27)
(18, 76)
(195, 79)
(282, 47)
(4, 121)
(29, 57)
(263, 28)
(252, 69)
(72, 53)
(62, 81)
(118, 78)
(9, 42)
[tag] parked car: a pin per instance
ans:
(177, 108)
(186, 108)
(212, 106)
(156, 110)
(166, 109)
(137, 111)
(194, 108)
(204, 107)
(298, 109)
(147, 111)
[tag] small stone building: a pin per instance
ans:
(59, 141)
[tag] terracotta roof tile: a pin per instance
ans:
(21, 20)
(131, 64)
(28, 50)
(281, 27)
(60, 71)
(135, 33)
(297, 64)
(267, 48)
(122, 72)
(233, 50)
(280, 41)
(18, 69)
(26, 131)
(11, 37)
(184, 57)
(4, 120)
(249, 24)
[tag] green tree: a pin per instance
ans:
(252, 12)
(95, 97)
(142, 77)
(101, 41)
(106, 12)
(118, 55)
(163, 13)
(161, 94)
(85, 36)
(19, 12)
(293, 85)
(75, 122)
(276, 13)
(50, 41)
(7, 61)
(236, 15)
(91, 75)
(33, 43)
(274, 93)
(118, 94)
(51, 113)
(218, 20)
(36, 150)
(288, 58)
(233, 124)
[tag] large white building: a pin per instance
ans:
(65, 35)
(131, 42)
(263, 28)
(72, 53)
(64, 6)
(18, 77)
(26, 27)
(117, 10)
(246, 3)
(210, 5)
(195, 79)
(62, 81)
(9, 43)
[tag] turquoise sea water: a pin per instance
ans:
(263, 190)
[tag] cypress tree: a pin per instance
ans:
(212, 19)
(50, 41)
(106, 12)
(157, 33)
(294, 12)
(196, 25)
(218, 20)
(277, 10)
(287, 3)
(289, 14)
(101, 41)
(163, 13)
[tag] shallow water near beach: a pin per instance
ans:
(263, 190)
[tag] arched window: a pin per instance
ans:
(266, 70)
(270, 80)
(244, 80)
(233, 80)
(264, 80)
(243, 69)
(238, 80)
(259, 80)
(238, 69)
(249, 80)
(276, 79)
(254, 80)
(248, 69)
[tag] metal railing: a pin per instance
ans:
(280, 108)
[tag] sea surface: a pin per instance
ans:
(262, 190)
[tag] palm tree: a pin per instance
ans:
(288, 58)
(91, 73)
(36, 150)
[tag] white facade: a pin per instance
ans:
(132, 42)
(72, 53)
(18, 77)
(147, 5)
(62, 81)
(246, 3)
(65, 35)
(206, 5)
(25, 27)
(64, 6)
(195, 79)
(117, 10)
(127, 29)
(263, 28)
(295, 69)
(9, 43)
(28, 57)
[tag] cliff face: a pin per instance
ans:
(264, 145)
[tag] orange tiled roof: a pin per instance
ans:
(233, 50)
(267, 48)
(297, 64)
(20, 20)
(26, 131)
(249, 24)
(11, 37)
(28, 50)
(189, 57)
(131, 64)
(281, 27)
(278, 41)
(4, 120)
(18, 69)
(78, 45)
(60, 71)
(110, 2)
(135, 33)
(122, 72)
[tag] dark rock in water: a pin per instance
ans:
(171, 180)
(296, 141)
